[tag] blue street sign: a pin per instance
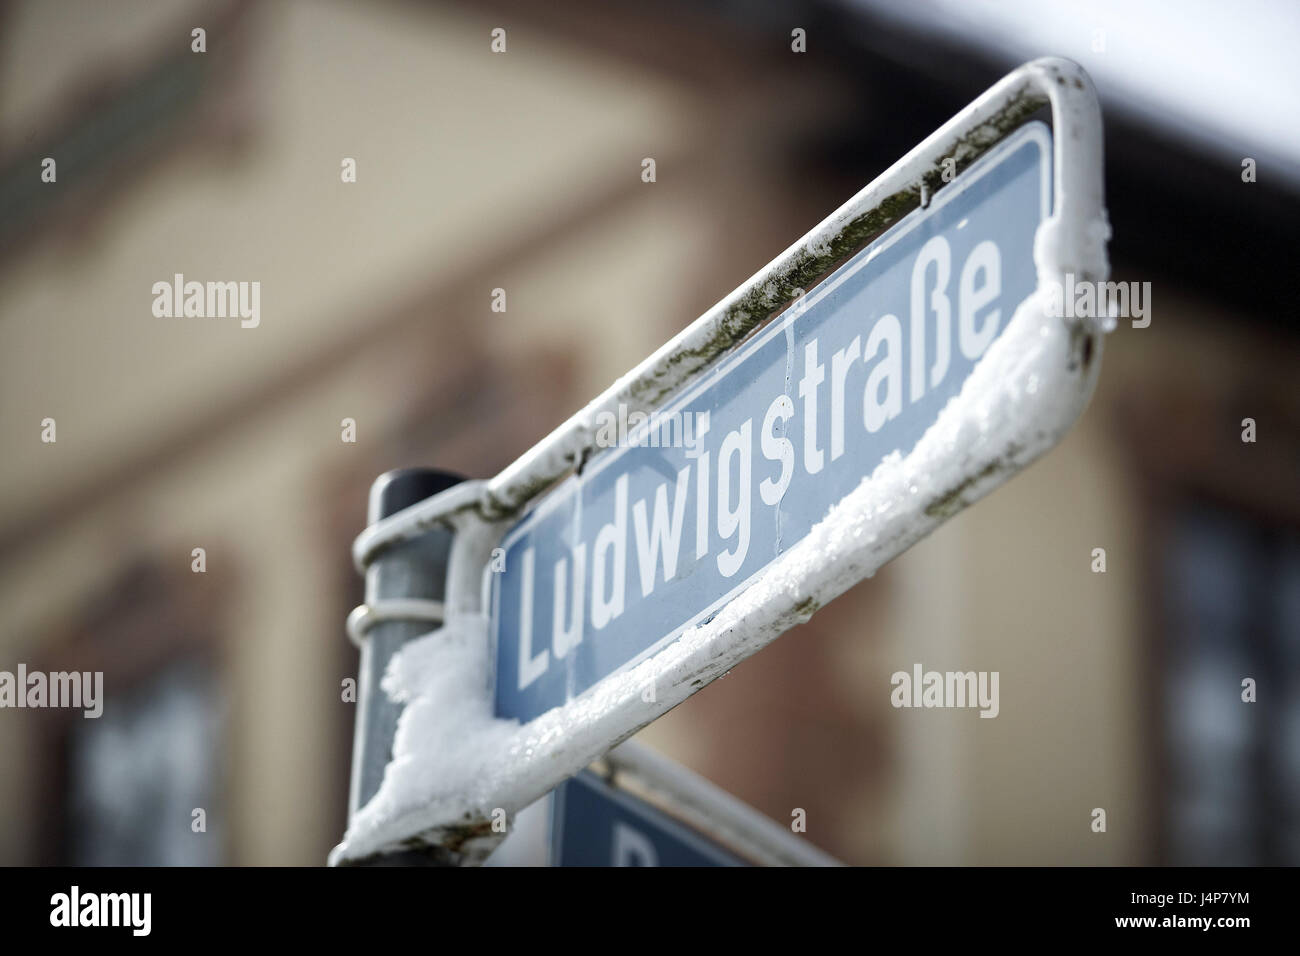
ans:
(596, 824)
(686, 509)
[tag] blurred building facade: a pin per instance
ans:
(521, 171)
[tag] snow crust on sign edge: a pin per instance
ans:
(451, 754)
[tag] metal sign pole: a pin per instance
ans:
(405, 587)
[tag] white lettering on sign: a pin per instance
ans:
(947, 300)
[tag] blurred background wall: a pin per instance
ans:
(521, 171)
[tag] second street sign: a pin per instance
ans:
(692, 505)
(593, 823)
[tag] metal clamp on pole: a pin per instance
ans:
(405, 589)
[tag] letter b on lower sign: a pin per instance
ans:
(632, 848)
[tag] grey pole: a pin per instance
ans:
(416, 568)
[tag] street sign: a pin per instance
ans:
(693, 504)
(796, 441)
(674, 817)
(594, 823)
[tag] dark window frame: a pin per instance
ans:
(149, 620)
(1185, 451)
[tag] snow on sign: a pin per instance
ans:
(796, 441)
(596, 824)
(695, 504)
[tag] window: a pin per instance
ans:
(121, 789)
(1231, 596)
(137, 773)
